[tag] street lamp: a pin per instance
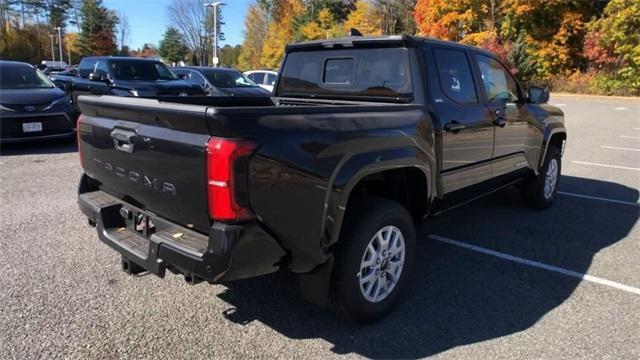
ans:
(53, 54)
(59, 42)
(215, 5)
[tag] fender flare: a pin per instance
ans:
(550, 131)
(356, 167)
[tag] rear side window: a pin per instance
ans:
(454, 74)
(271, 79)
(367, 74)
(256, 77)
(86, 67)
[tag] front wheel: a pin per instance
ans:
(373, 261)
(540, 191)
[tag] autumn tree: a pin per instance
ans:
(364, 18)
(255, 29)
(280, 31)
(613, 44)
(323, 28)
(172, 47)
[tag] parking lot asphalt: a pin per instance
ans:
(495, 278)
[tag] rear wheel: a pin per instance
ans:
(373, 261)
(541, 190)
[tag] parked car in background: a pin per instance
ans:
(31, 106)
(63, 79)
(221, 81)
(52, 67)
(124, 76)
(266, 79)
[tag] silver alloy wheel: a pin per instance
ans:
(381, 264)
(551, 178)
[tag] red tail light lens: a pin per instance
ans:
(78, 138)
(226, 178)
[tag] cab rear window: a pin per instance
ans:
(366, 74)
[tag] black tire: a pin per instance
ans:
(534, 189)
(363, 220)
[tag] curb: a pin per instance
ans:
(627, 98)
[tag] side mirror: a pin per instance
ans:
(538, 94)
(99, 77)
(182, 76)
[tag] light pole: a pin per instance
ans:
(53, 54)
(215, 5)
(59, 43)
(69, 51)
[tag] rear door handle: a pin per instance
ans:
(454, 127)
(123, 140)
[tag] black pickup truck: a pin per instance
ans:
(362, 139)
(123, 76)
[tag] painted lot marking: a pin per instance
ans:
(599, 198)
(629, 137)
(622, 108)
(618, 148)
(605, 165)
(537, 264)
(636, 128)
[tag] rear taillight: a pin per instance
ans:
(227, 178)
(78, 137)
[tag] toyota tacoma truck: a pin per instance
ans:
(363, 138)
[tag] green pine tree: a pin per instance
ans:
(172, 46)
(97, 33)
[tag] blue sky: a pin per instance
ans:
(148, 19)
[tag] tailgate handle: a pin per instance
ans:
(123, 140)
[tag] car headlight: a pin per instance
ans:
(134, 92)
(4, 108)
(62, 100)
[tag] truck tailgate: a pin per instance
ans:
(148, 155)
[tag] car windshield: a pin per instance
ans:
(141, 70)
(228, 79)
(18, 76)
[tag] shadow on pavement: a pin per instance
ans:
(39, 147)
(460, 297)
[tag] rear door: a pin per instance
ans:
(468, 131)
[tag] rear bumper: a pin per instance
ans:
(228, 252)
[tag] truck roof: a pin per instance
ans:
(379, 41)
(119, 58)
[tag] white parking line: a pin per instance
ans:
(598, 198)
(618, 148)
(622, 108)
(537, 264)
(605, 165)
(630, 137)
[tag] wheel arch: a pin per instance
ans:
(408, 166)
(556, 137)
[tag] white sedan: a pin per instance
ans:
(264, 78)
